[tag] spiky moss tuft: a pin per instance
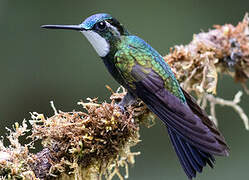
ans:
(82, 145)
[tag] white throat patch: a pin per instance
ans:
(99, 43)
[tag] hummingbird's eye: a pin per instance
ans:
(100, 26)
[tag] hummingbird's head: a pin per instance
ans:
(102, 31)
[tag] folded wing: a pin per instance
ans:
(185, 119)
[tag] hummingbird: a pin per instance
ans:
(143, 72)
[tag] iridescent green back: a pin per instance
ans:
(132, 50)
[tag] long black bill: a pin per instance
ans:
(72, 27)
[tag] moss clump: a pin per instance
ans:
(96, 142)
(224, 49)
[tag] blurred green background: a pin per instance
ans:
(38, 65)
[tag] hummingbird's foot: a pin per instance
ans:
(121, 107)
(128, 100)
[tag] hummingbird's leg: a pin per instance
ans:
(128, 100)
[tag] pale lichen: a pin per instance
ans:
(15, 159)
(231, 103)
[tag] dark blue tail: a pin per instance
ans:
(191, 158)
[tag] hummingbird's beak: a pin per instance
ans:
(72, 27)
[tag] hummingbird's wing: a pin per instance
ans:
(185, 119)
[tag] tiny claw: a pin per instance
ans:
(121, 107)
(127, 100)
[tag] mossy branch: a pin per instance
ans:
(94, 144)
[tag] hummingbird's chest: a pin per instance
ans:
(112, 69)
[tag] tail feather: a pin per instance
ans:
(192, 160)
(196, 155)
